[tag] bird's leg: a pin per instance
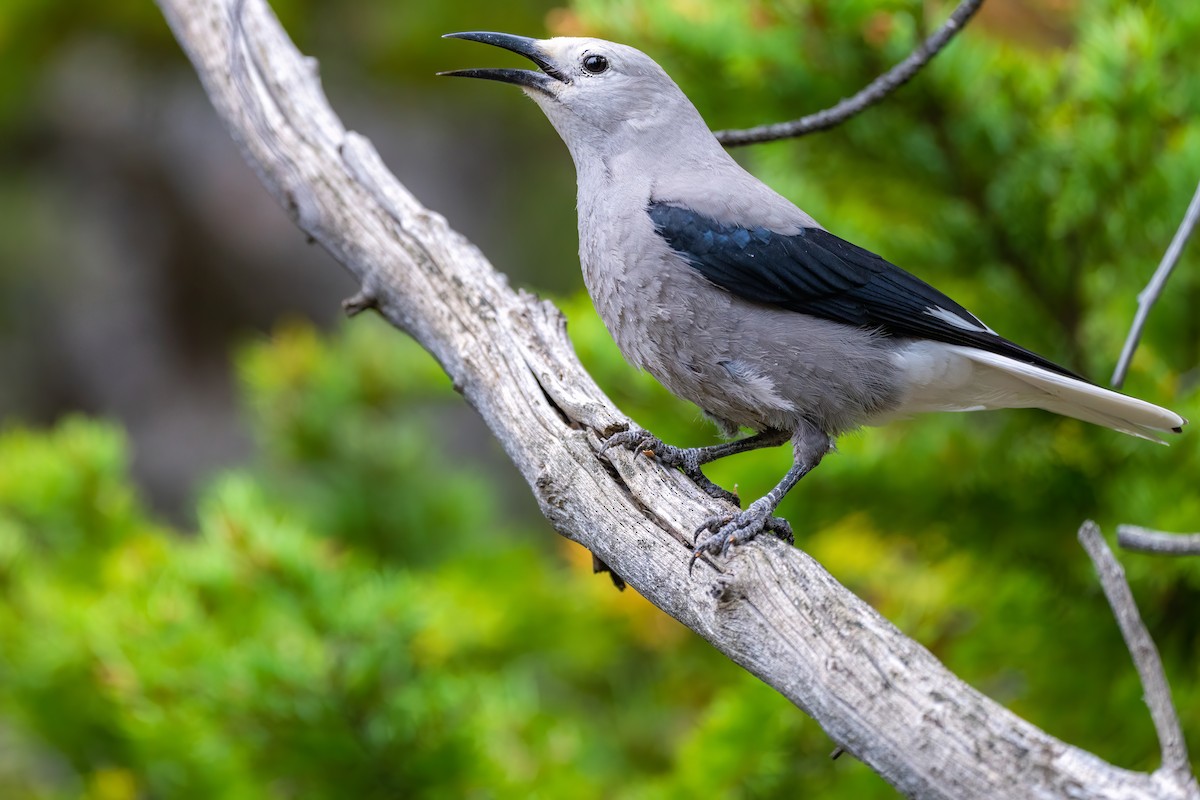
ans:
(810, 446)
(766, 438)
(689, 459)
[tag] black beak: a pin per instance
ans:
(522, 45)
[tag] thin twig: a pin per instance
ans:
(1144, 540)
(871, 94)
(1141, 647)
(1149, 296)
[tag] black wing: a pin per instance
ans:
(814, 272)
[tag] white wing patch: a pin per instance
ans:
(959, 322)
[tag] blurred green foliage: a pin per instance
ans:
(349, 620)
(355, 617)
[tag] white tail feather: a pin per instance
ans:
(1071, 397)
(947, 377)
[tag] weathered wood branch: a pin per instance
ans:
(769, 607)
(1144, 540)
(1146, 659)
(1154, 289)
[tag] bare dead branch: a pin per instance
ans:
(1144, 540)
(868, 96)
(1149, 296)
(769, 607)
(1145, 655)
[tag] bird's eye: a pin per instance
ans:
(595, 64)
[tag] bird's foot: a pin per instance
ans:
(726, 530)
(686, 459)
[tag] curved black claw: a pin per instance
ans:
(726, 530)
(685, 458)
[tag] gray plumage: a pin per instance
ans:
(738, 301)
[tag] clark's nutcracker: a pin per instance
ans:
(738, 301)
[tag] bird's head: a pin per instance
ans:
(602, 97)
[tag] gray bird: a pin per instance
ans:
(736, 300)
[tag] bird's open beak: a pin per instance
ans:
(522, 45)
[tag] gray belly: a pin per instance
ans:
(742, 363)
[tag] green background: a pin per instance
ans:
(248, 550)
